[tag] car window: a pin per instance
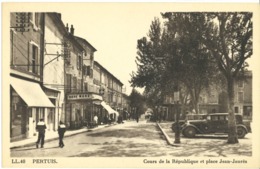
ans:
(222, 117)
(214, 118)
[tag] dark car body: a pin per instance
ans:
(188, 117)
(214, 123)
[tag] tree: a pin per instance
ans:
(189, 62)
(175, 56)
(148, 73)
(137, 102)
(229, 38)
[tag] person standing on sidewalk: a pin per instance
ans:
(96, 120)
(61, 131)
(41, 133)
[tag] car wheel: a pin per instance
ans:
(189, 132)
(241, 132)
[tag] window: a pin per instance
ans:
(68, 82)
(236, 109)
(240, 84)
(35, 20)
(13, 43)
(33, 59)
(79, 62)
(86, 87)
(74, 85)
(79, 84)
(240, 97)
(203, 99)
(213, 99)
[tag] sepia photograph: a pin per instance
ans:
(140, 85)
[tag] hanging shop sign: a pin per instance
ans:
(84, 96)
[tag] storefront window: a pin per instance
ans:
(18, 116)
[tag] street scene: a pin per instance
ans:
(132, 139)
(175, 84)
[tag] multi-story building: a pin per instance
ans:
(214, 100)
(55, 36)
(28, 102)
(74, 81)
(112, 88)
(243, 96)
(91, 86)
(209, 100)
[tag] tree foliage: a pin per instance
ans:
(229, 38)
(137, 101)
(192, 50)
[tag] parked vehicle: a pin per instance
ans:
(188, 117)
(213, 124)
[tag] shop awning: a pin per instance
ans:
(108, 108)
(31, 93)
(96, 97)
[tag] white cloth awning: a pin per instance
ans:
(31, 93)
(108, 108)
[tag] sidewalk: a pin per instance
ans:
(52, 135)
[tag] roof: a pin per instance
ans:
(74, 41)
(86, 42)
(99, 65)
(56, 17)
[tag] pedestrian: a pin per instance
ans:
(61, 131)
(96, 120)
(40, 127)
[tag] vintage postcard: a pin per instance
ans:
(130, 85)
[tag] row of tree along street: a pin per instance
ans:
(191, 51)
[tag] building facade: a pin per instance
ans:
(111, 88)
(243, 96)
(59, 70)
(92, 105)
(55, 35)
(26, 74)
(73, 81)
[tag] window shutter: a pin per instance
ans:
(88, 71)
(68, 85)
(13, 47)
(86, 87)
(91, 73)
(29, 57)
(37, 65)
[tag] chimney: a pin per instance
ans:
(67, 27)
(72, 30)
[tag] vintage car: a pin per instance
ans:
(188, 117)
(215, 123)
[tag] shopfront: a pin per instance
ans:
(28, 104)
(81, 109)
(111, 113)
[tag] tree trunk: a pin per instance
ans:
(232, 130)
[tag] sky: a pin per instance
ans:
(113, 30)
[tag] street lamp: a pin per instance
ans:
(177, 129)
